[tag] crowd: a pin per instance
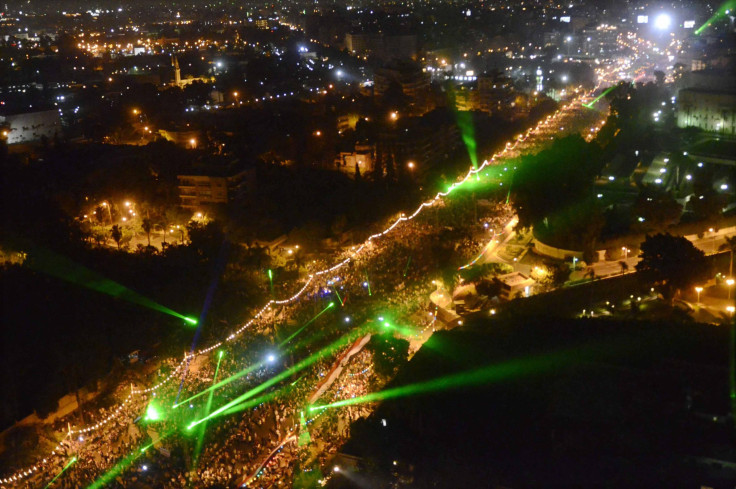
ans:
(392, 275)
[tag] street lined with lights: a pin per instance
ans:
(523, 140)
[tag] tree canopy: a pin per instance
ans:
(671, 263)
(554, 179)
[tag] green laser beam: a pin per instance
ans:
(248, 370)
(467, 132)
(257, 401)
(338, 296)
(722, 12)
(222, 383)
(483, 375)
(402, 330)
(293, 335)
(339, 343)
(61, 267)
(123, 464)
(297, 380)
(200, 440)
(590, 104)
(308, 340)
(153, 413)
(406, 269)
(270, 279)
(71, 462)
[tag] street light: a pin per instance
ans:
(410, 165)
(698, 290)
(711, 230)
(109, 212)
(626, 252)
(730, 283)
(662, 22)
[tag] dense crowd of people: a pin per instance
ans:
(389, 276)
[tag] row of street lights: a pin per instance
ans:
(729, 284)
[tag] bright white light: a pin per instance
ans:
(271, 358)
(663, 21)
(724, 187)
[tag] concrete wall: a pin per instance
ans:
(32, 126)
(552, 252)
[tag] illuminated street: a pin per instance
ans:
(267, 231)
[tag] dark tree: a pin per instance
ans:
(147, 226)
(671, 263)
(707, 205)
(655, 210)
(206, 238)
(730, 246)
(117, 234)
(554, 180)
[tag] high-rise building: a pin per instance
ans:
(382, 46)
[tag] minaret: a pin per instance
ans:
(177, 71)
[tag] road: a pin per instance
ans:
(571, 118)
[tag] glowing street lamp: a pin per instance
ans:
(193, 143)
(626, 252)
(730, 283)
(411, 165)
(393, 115)
(663, 22)
(109, 212)
(698, 290)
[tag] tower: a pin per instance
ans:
(177, 71)
(540, 80)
